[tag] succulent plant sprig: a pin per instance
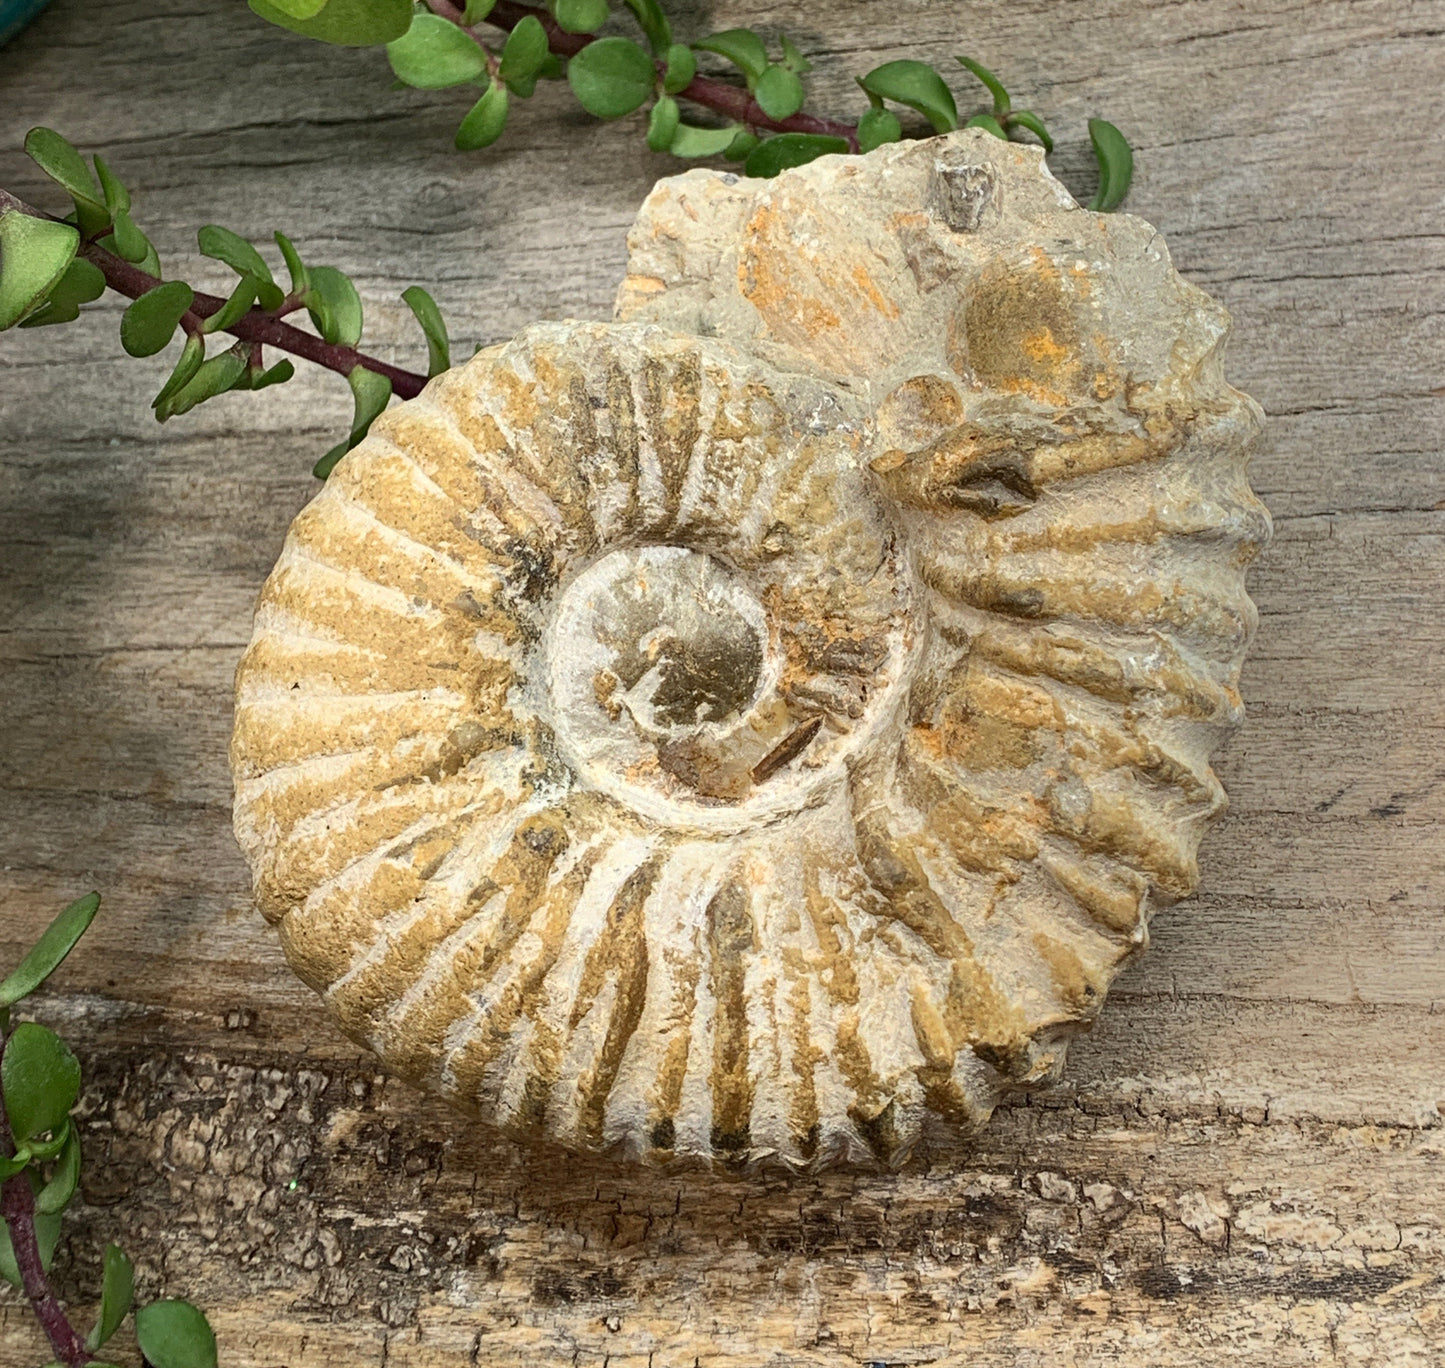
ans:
(40, 1163)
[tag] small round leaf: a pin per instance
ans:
(662, 124)
(876, 127)
(681, 68)
(917, 85)
(580, 16)
(525, 51)
(41, 1081)
(779, 93)
(484, 122)
(173, 1334)
(433, 54)
(351, 23)
(611, 77)
(35, 254)
(334, 306)
(790, 149)
(688, 141)
(147, 325)
(741, 147)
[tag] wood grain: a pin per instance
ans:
(1247, 1162)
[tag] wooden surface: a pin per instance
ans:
(1247, 1162)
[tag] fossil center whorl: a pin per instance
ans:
(673, 688)
(656, 658)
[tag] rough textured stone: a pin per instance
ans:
(759, 727)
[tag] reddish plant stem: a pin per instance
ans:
(732, 101)
(257, 326)
(17, 1208)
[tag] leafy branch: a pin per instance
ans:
(50, 266)
(40, 1174)
(438, 44)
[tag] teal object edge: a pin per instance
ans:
(15, 14)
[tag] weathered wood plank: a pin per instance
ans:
(1244, 1164)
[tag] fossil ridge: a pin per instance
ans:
(758, 728)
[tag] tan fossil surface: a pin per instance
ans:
(759, 727)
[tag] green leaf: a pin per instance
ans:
(988, 123)
(299, 275)
(56, 1194)
(192, 354)
(173, 1334)
(611, 77)
(433, 326)
(35, 255)
(281, 372)
(235, 308)
(793, 59)
(484, 122)
(525, 50)
(117, 1291)
(351, 23)
(876, 127)
(221, 244)
(741, 147)
(779, 93)
(742, 47)
(47, 1236)
(1116, 165)
(60, 161)
(476, 11)
(299, 9)
(790, 149)
(681, 68)
(41, 1080)
(59, 938)
(147, 325)
(917, 85)
(371, 393)
(1001, 102)
(334, 306)
(653, 23)
(580, 16)
(690, 141)
(117, 197)
(81, 284)
(214, 376)
(662, 124)
(434, 53)
(126, 240)
(1026, 118)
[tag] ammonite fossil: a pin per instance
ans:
(759, 727)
